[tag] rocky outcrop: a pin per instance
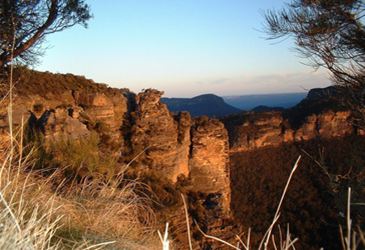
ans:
(308, 130)
(258, 130)
(73, 114)
(106, 110)
(253, 131)
(171, 145)
(327, 125)
(174, 146)
(62, 123)
(209, 160)
(184, 143)
(335, 124)
(138, 127)
(159, 141)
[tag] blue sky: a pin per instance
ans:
(183, 47)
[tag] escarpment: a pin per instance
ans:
(142, 128)
(139, 130)
(68, 106)
(257, 130)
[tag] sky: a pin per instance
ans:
(182, 47)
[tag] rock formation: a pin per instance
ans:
(252, 131)
(105, 110)
(209, 163)
(72, 112)
(172, 146)
(62, 123)
(159, 140)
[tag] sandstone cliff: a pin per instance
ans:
(140, 130)
(251, 131)
(69, 106)
(159, 140)
(209, 161)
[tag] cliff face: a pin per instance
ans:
(55, 103)
(252, 131)
(139, 129)
(73, 114)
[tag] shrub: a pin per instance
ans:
(80, 156)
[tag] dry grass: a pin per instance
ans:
(25, 223)
(108, 209)
(354, 238)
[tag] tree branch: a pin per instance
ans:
(52, 16)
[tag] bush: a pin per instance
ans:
(80, 156)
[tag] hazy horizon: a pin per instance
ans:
(238, 95)
(185, 48)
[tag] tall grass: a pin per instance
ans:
(108, 209)
(24, 223)
(354, 238)
(40, 210)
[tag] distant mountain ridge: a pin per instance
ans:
(216, 106)
(207, 104)
(249, 102)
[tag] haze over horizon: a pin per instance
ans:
(185, 48)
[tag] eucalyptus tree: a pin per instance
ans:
(25, 23)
